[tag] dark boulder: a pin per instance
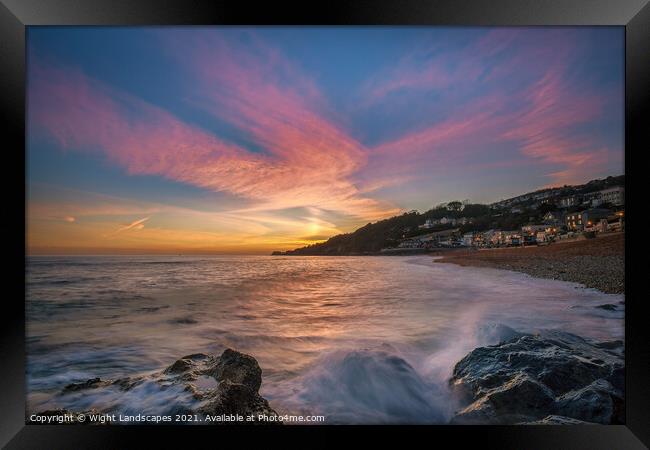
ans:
(189, 367)
(238, 368)
(226, 384)
(520, 398)
(237, 399)
(599, 402)
(531, 377)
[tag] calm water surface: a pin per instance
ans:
(330, 333)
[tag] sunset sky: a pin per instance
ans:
(249, 140)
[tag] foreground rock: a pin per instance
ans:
(220, 385)
(239, 379)
(551, 377)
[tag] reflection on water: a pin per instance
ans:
(359, 339)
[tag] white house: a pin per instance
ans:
(614, 195)
(553, 217)
(567, 202)
(533, 229)
(574, 221)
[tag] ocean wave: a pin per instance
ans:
(371, 386)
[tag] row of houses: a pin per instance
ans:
(527, 235)
(539, 196)
(445, 238)
(595, 219)
(431, 223)
(614, 196)
(590, 220)
(557, 224)
(493, 238)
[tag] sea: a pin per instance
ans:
(359, 339)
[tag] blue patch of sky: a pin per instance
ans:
(131, 60)
(48, 164)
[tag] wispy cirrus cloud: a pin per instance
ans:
(256, 89)
(136, 224)
(439, 65)
(500, 100)
(528, 100)
(307, 160)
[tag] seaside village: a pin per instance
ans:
(567, 217)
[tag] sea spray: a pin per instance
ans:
(372, 385)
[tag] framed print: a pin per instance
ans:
(385, 219)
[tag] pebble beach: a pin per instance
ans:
(596, 263)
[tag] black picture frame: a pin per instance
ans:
(16, 15)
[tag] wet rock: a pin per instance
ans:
(237, 399)
(238, 368)
(127, 383)
(180, 366)
(611, 345)
(88, 384)
(233, 387)
(520, 398)
(533, 376)
(189, 363)
(600, 402)
(607, 307)
(239, 378)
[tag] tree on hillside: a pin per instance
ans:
(455, 206)
(476, 210)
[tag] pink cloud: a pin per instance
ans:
(450, 143)
(542, 119)
(444, 70)
(546, 128)
(306, 162)
(263, 94)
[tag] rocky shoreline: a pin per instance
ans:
(223, 386)
(596, 263)
(549, 377)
